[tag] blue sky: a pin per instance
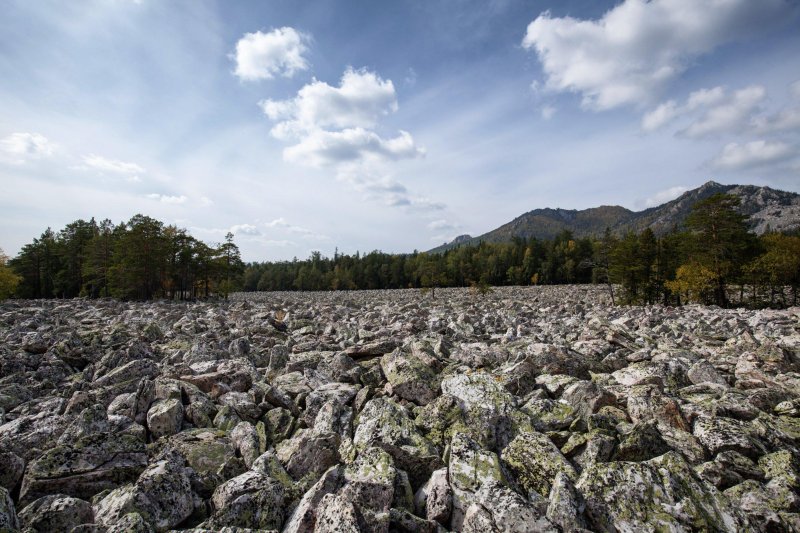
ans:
(396, 125)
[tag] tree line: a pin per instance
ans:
(140, 259)
(711, 259)
(703, 261)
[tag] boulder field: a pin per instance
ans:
(521, 410)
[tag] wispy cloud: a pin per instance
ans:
(167, 199)
(114, 166)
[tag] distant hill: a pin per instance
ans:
(766, 207)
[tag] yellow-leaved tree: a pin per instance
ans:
(8, 279)
(694, 281)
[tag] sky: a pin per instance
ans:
(361, 125)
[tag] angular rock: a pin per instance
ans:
(56, 512)
(535, 462)
(85, 467)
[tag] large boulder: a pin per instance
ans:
(535, 462)
(162, 495)
(85, 467)
(56, 512)
(385, 424)
(409, 377)
(660, 494)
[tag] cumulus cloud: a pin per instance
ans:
(245, 229)
(735, 156)
(166, 199)
(334, 127)
(21, 147)
(631, 53)
(361, 99)
(665, 196)
(111, 165)
(280, 52)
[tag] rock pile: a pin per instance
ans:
(526, 409)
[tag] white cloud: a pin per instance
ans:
(25, 146)
(630, 53)
(548, 112)
(166, 199)
(660, 116)
(361, 99)
(709, 112)
(665, 196)
(735, 156)
(784, 120)
(323, 148)
(245, 229)
(442, 225)
(333, 127)
(266, 55)
(277, 223)
(111, 165)
(205, 201)
(729, 115)
(282, 223)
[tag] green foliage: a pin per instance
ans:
(140, 259)
(719, 240)
(8, 279)
(143, 259)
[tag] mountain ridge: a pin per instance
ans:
(767, 208)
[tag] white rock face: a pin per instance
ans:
(524, 409)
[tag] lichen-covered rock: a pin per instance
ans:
(565, 507)
(56, 512)
(304, 517)
(469, 469)
(719, 434)
(385, 424)
(162, 495)
(642, 443)
(434, 500)
(308, 454)
(251, 500)
(409, 377)
(13, 469)
(165, 417)
(487, 406)
(511, 512)
(85, 467)
(661, 494)
(370, 481)
(337, 515)
(245, 438)
(535, 462)
(8, 513)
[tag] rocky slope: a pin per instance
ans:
(528, 409)
(768, 209)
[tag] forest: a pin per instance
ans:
(712, 259)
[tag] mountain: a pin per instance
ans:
(767, 208)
